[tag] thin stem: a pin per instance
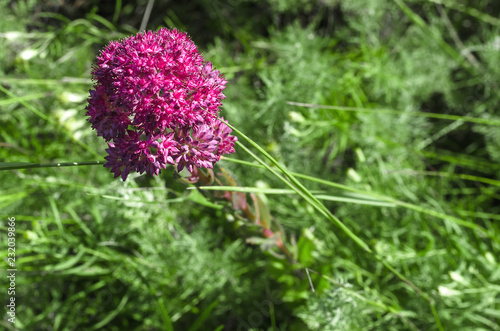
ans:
(384, 198)
(478, 120)
(306, 195)
(18, 166)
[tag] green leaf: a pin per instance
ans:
(198, 198)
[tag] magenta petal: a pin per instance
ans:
(156, 101)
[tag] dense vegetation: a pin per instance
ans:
(405, 152)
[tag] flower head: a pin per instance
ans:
(156, 102)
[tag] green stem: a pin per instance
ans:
(301, 190)
(20, 165)
(478, 120)
(382, 197)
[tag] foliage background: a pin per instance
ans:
(98, 253)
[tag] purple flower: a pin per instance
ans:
(156, 102)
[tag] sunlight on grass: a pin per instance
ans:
(368, 148)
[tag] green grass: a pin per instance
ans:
(368, 138)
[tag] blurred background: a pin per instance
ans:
(412, 90)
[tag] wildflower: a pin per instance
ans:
(156, 102)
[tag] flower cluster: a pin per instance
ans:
(156, 102)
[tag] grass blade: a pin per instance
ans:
(204, 315)
(24, 98)
(113, 314)
(27, 165)
(51, 121)
(384, 198)
(315, 203)
(245, 189)
(452, 175)
(430, 33)
(368, 201)
(485, 121)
